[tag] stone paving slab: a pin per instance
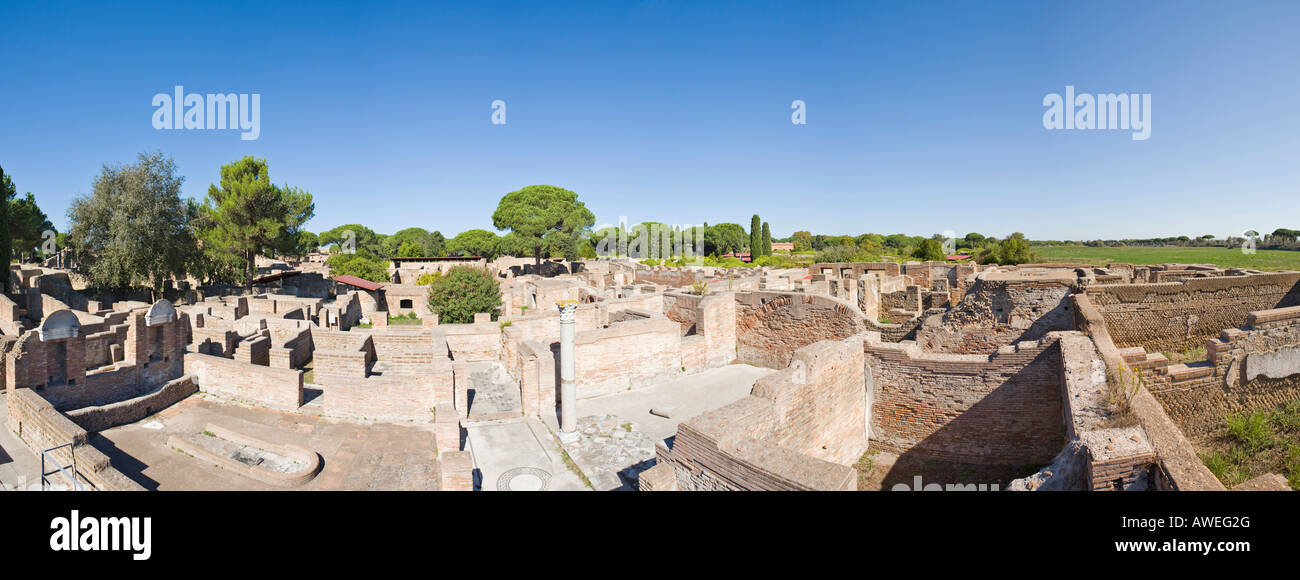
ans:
(518, 448)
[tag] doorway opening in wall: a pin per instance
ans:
(58, 354)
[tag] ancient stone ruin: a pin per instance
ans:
(613, 375)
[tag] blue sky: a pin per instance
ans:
(921, 116)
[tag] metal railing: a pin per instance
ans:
(68, 472)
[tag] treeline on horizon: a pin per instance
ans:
(135, 231)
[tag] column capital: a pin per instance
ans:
(568, 311)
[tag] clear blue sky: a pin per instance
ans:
(922, 116)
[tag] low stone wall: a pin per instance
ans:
(627, 355)
(131, 410)
(396, 400)
(265, 386)
(41, 426)
(480, 341)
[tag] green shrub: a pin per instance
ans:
(427, 278)
(361, 264)
(463, 292)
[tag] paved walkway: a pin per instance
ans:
(518, 455)
(683, 398)
(617, 433)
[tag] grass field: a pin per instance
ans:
(1222, 257)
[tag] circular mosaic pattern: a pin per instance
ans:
(524, 479)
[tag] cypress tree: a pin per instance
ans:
(767, 240)
(755, 238)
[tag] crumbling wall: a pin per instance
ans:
(770, 326)
(1001, 309)
(1252, 368)
(1179, 466)
(102, 417)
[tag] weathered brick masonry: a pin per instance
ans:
(1184, 314)
(1003, 408)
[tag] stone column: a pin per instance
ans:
(568, 390)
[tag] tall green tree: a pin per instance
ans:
(27, 226)
(420, 237)
(353, 237)
(767, 240)
(543, 215)
(7, 191)
(133, 229)
(474, 243)
(437, 244)
(929, 251)
(248, 215)
(724, 238)
(755, 237)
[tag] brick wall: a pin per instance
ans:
(474, 342)
(1179, 315)
(801, 429)
(1252, 368)
(272, 387)
(1001, 309)
(998, 409)
(771, 325)
(41, 426)
(385, 399)
(627, 355)
(134, 409)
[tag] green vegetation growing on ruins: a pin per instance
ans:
(1224, 257)
(1247, 446)
(1187, 355)
(407, 319)
(463, 292)
(1122, 385)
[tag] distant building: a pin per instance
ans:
(782, 246)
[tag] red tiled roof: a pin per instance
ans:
(955, 257)
(358, 282)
